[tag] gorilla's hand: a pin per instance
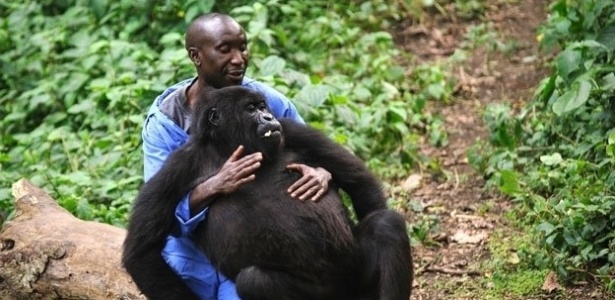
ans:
(314, 182)
(235, 172)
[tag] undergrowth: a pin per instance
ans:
(555, 157)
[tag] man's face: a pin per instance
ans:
(223, 54)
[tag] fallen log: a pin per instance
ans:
(47, 253)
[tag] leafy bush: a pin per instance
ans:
(77, 77)
(556, 156)
(342, 78)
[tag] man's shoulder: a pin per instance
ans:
(166, 108)
(170, 90)
(269, 92)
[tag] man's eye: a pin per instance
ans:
(224, 49)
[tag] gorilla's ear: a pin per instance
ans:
(214, 117)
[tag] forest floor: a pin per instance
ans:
(469, 215)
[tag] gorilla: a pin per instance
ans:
(270, 244)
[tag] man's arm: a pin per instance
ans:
(235, 172)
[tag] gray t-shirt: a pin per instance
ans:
(175, 106)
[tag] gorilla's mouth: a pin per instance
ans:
(271, 133)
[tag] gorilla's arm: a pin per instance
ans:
(347, 170)
(152, 220)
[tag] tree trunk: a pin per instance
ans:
(46, 253)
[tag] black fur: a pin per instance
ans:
(273, 246)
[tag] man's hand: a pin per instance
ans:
(314, 182)
(235, 172)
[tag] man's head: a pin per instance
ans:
(218, 47)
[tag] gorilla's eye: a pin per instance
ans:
(251, 107)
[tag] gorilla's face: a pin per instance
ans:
(268, 129)
(232, 116)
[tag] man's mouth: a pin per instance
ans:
(235, 74)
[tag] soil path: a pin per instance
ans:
(468, 215)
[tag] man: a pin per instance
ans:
(217, 45)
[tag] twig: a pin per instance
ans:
(422, 269)
(449, 271)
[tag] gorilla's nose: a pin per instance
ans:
(266, 117)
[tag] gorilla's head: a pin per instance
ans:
(228, 117)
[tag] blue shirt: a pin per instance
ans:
(161, 136)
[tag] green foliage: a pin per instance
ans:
(512, 273)
(555, 157)
(73, 90)
(345, 80)
(77, 77)
(467, 9)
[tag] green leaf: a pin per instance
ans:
(196, 8)
(400, 113)
(546, 88)
(573, 99)
(313, 95)
(402, 128)
(82, 107)
(206, 5)
(552, 159)
(272, 65)
(567, 62)
(171, 38)
(607, 83)
(509, 182)
(586, 250)
(79, 178)
(606, 37)
(546, 228)
(83, 209)
(57, 134)
(570, 237)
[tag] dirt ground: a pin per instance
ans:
(485, 77)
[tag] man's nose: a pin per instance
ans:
(238, 57)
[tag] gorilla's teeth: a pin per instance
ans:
(268, 133)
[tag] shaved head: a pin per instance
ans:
(206, 27)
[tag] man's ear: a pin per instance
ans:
(214, 117)
(193, 53)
